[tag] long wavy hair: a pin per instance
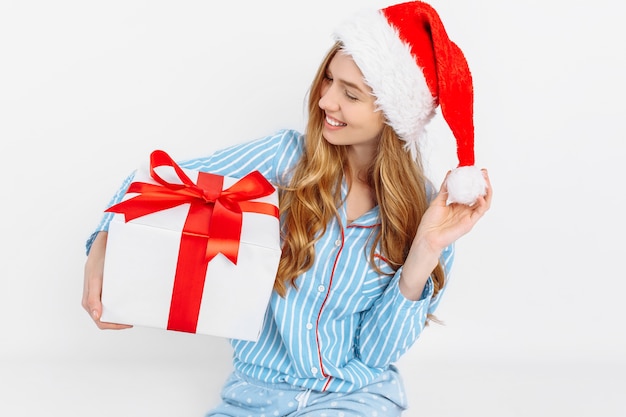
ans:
(313, 196)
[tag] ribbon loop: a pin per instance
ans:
(225, 214)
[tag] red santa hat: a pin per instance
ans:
(412, 66)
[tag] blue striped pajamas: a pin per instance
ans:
(346, 324)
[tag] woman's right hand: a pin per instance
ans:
(92, 286)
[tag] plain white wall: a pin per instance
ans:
(88, 89)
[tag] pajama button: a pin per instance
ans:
(320, 288)
(314, 370)
(337, 242)
(309, 326)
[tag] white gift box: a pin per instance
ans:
(141, 268)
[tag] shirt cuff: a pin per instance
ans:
(404, 303)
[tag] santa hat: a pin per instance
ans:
(412, 66)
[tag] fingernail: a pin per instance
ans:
(94, 314)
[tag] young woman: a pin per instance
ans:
(367, 243)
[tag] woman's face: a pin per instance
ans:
(351, 117)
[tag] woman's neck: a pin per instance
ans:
(359, 161)
(361, 197)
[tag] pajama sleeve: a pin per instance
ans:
(391, 326)
(272, 156)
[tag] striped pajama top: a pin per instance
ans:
(345, 323)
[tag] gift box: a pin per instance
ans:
(192, 251)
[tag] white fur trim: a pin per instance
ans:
(392, 72)
(465, 185)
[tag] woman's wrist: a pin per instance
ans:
(419, 265)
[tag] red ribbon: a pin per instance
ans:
(213, 225)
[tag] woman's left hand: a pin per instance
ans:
(443, 224)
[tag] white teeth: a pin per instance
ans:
(333, 122)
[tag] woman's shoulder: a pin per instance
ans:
(286, 142)
(290, 147)
(289, 136)
(281, 140)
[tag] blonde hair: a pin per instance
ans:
(313, 195)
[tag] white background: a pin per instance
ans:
(535, 314)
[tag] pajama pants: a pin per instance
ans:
(242, 397)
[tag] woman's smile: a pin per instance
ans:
(334, 122)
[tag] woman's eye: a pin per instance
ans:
(350, 96)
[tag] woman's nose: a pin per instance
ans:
(328, 101)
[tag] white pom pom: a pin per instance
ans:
(465, 185)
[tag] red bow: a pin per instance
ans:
(222, 208)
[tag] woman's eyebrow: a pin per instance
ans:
(352, 85)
